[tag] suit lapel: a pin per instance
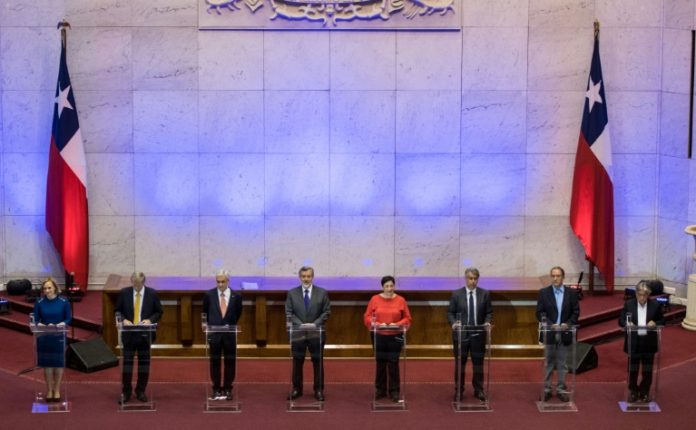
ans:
(552, 299)
(634, 315)
(131, 304)
(312, 300)
(217, 303)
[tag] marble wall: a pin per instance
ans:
(361, 153)
(674, 247)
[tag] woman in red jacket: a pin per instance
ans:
(384, 311)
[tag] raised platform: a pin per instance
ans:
(263, 319)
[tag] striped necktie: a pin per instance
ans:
(223, 305)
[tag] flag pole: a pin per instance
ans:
(62, 26)
(69, 277)
(590, 263)
(590, 278)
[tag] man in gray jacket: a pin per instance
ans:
(307, 307)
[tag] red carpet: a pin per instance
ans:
(180, 406)
(262, 388)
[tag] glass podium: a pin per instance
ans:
(49, 355)
(389, 346)
(301, 338)
(134, 340)
(218, 339)
(560, 345)
(476, 341)
(643, 367)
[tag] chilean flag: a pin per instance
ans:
(592, 202)
(66, 188)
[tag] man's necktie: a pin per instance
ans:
(223, 305)
(471, 311)
(136, 309)
(306, 299)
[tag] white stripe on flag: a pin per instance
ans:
(601, 148)
(74, 156)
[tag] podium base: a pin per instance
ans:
(137, 406)
(222, 406)
(40, 406)
(471, 407)
(556, 407)
(305, 406)
(639, 407)
(389, 406)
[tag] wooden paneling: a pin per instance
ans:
(264, 333)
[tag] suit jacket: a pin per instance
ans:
(211, 306)
(150, 309)
(647, 343)
(319, 306)
(459, 305)
(570, 310)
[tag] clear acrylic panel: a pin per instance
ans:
(643, 368)
(304, 339)
(135, 346)
(560, 345)
(472, 344)
(221, 358)
(49, 357)
(389, 346)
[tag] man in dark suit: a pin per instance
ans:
(558, 308)
(469, 306)
(137, 305)
(223, 307)
(643, 343)
(308, 307)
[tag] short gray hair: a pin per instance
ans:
(643, 286)
(223, 272)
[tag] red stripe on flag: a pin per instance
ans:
(592, 210)
(67, 216)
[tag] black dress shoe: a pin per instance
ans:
(125, 398)
(547, 396)
(633, 397)
(645, 398)
(319, 395)
(563, 397)
(481, 396)
(294, 394)
(140, 395)
(394, 397)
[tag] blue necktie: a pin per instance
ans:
(306, 299)
(559, 303)
(471, 312)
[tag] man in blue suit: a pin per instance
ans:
(223, 307)
(558, 308)
(308, 307)
(137, 305)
